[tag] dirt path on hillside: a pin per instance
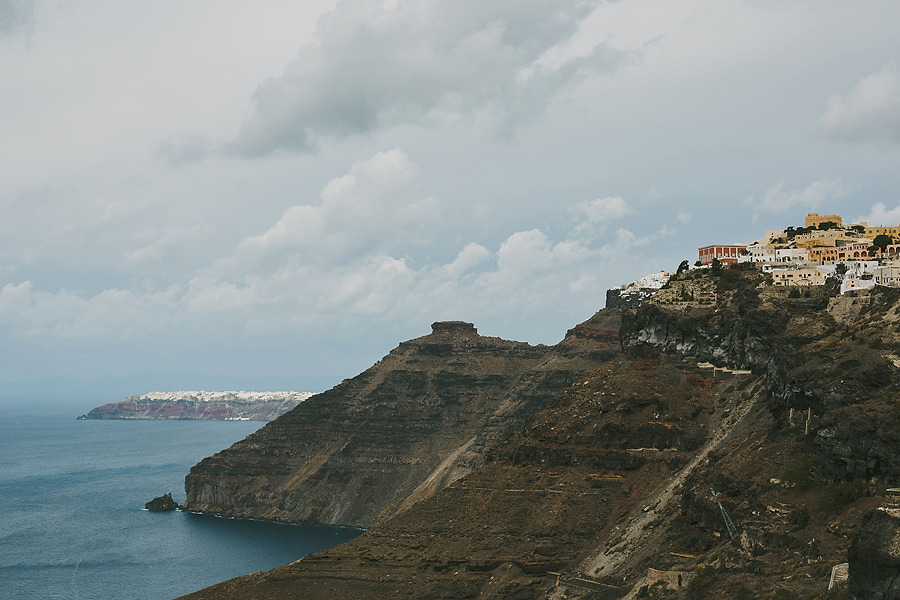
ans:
(638, 532)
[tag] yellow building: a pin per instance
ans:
(815, 219)
(804, 276)
(832, 237)
(894, 232)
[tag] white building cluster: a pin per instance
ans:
(824, 248)
(202, 396)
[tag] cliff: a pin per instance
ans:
(419, 419)
(875, 557)
(249, 406)
(729, 450)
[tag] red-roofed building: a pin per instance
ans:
(726, 253)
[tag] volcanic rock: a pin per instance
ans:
(419, 419)
(162, 503)
(874, 557)
(734, 409)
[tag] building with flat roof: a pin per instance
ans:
(727, 254)
(815, 219)
(872, 232)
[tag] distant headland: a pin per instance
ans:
(221, 406)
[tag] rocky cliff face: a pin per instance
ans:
(875, 557)
(611, 482)
(250, 406)
(419, 419)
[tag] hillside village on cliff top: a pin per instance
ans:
(859, 255)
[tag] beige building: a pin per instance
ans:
(815, 219)
(894, 232)
(888, 275)
(802, 276)
(832, 237)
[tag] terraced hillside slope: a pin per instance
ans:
(730, 451)
(402, 430)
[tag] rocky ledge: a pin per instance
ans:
(162, 503)
(222, 406)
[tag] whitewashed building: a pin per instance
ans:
(888, 275)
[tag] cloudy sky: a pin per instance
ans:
(288, 189)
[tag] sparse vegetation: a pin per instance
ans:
(696, 589)
(799, 518)
(881, 242)
(659, 589)
(803, 474)
(838, 591)
(838, 494)
(729, 279)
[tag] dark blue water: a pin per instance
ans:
(72, 523)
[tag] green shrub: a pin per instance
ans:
(838, 494)
(799, 517)
(803, 474)
(743, 593)
(696, 589)
(730, 279)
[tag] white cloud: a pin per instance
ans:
(468, 258)
(603, 210)
(870, 111)
(111, 315)
(880, 215)
(377, 64)
(374, 207)
(778, 200)
(527, 252)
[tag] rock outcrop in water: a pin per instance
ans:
(244, 406)
(729, 450)
(162, 503)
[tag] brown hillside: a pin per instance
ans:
(608, 490)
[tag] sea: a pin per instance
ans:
(72, 518)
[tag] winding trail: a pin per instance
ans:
(635, 536)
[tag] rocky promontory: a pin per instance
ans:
(731, 446)
(420, 418)
(223, 406)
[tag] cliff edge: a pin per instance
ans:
(729, 451)
(419, 419)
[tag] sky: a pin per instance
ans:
(283, 191)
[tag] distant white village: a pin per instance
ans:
(202, 396)
(859, 255)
